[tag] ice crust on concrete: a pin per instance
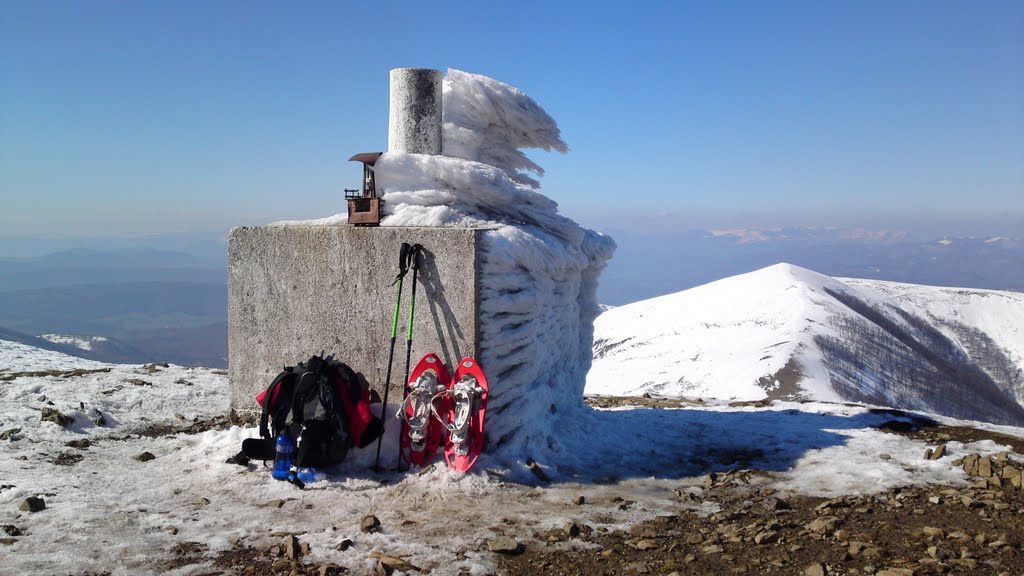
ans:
(538, 269)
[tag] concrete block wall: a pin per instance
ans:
(296, 290)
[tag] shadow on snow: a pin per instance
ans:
(609, 445)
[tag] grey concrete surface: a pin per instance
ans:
(296, 290)
(414, 114)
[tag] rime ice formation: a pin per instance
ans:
(491, 122)
(538, 269)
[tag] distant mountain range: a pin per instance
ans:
(649, 264)
(71, 267)
(788, 332)
(127, 306)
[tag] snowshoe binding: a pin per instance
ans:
(462, 406)
(421, 435)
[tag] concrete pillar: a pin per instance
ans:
(414, 118)
(296, 290)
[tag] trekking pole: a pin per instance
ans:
(403, 258)
(414, 256)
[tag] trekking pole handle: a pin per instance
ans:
(414, 255)
(403, 262)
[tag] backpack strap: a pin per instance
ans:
(362, 426)
(306, 386)
(282, 384)
(331, 399)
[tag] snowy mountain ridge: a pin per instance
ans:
(789, 332)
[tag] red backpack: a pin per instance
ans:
(323, 405)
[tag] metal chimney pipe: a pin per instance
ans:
(414, 117)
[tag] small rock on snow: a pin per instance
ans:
(54, 415)
(503, 545)
(369, 524)
(33, 504)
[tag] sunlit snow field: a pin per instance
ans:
(112, 512)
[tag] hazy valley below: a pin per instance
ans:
(156, 305)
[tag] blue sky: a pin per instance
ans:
(129, 119)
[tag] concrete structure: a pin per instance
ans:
(296, 290)
(414, 116)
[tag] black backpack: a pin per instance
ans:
(323, 406)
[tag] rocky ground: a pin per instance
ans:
(978, 529)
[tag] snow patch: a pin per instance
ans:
(80, 342)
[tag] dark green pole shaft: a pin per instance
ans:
(402, 268)
(414, 255)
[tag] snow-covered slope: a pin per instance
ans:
(785, 331)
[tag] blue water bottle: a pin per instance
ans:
(283, 456)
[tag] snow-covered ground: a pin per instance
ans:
(111, 512)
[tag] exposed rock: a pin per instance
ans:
(68, 459)
(872, 553)
(275, 503)
(823, 525)
(816, 569)
(33, 504)
(713, 549)
(393, 563)
(11, 530)
(145, 457)
(574, 529)
(80, 444)
(55, 416)
(938, 553)
(503, 545)
(939, 452)
(344, 545)
(690, 492)
(985, 467)
(369, 524)
(644, 531)
(579, 500)
(646, 544)
(766, 537)
(10, 434)
(856, 547)
(895, 572)
(330, 569)
(537, 470)
(292, 551)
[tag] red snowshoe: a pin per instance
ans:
(462, 406)
(421, 435)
